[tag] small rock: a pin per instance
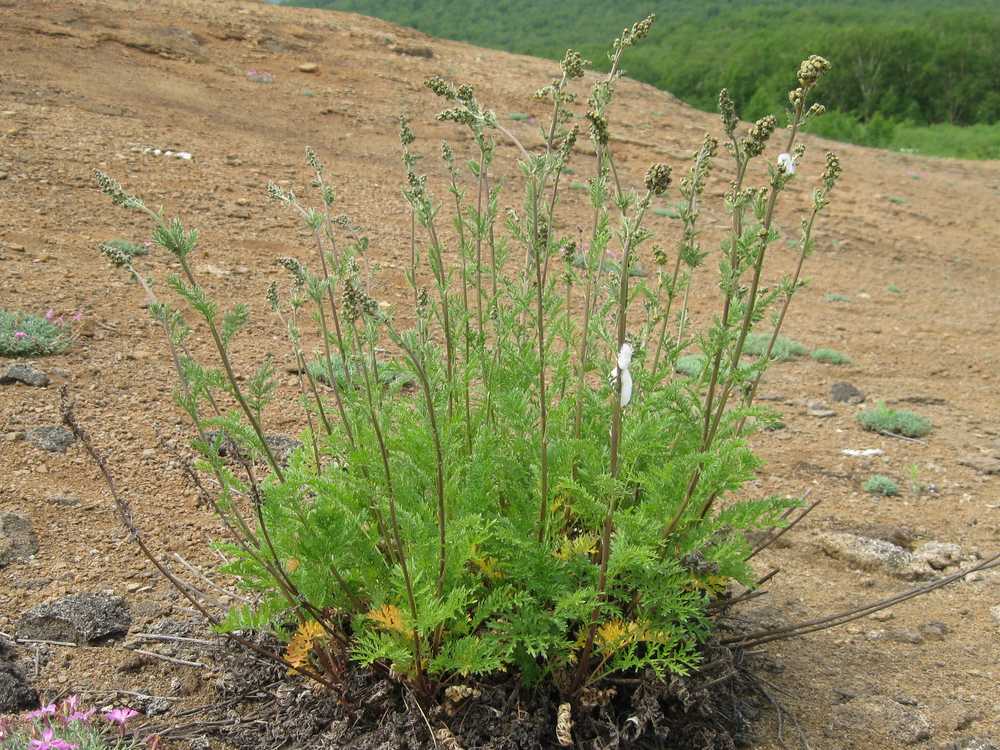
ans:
(905, 635)
(939, 555)
(882, 615)
(77, 618)
(982, 464)
(308, 67)
(934, 631)
(819, 409)
(882, 717)
(18, 541)
(66, 501)
(862, 452)
(15, 692)
(973, 743)
(52, 439)
(845, 393)
(21, 372)
(995, 611)
(413, 50)
(874, 554)
(238, 213)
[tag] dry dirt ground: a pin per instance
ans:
(911, 243)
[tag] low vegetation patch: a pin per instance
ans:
(779, 348)
(830, 357)
(894, 422)
(26, 335)
(879, 484)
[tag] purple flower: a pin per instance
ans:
(19, 335)
(41, 713)
(50, 314)
(50, 742)
(120, 716)
(78, 316)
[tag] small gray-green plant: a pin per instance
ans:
(893, 289)
(690, 365)
(831, 357)
(26, 335)
(780, 348)
(520, 511)
(894, 421)
(834, 297)
(132, 249)
(519, 116)
(879, 484)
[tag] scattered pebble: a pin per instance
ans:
(308, 67)
(899, 722)
(995, 612)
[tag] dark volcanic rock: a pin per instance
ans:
(15, 692)
(845, 393)
(77, 618)
(53, 439)
(21, 372)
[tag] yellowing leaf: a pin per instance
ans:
(388, 617)
(585, 544)
(292, 565)
(299, 649)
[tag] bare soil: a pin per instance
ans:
(911, 242)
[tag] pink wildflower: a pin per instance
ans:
(41, 713)
(120, 716)
(81, 716)
(50, 314)
(78, 316)
(19, 335)
(50, 742)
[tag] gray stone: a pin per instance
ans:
(77, 618)
(973, 743)
(18, 541)
(881, 716)
(845, 393)
(22, 372)
(281, 445)
(939, 555)
(53, 439)
(874, 555)
(982, 464)
(995, 612)
(15, 692)
(934, 631)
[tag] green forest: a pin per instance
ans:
(912, 75)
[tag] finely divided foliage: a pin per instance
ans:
(501, 504)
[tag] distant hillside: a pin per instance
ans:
(899, 65)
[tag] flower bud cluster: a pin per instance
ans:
(756, 139)
(357, 304)
(658, 179)
(573, 64)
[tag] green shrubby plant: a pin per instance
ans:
(517, 509)
(782, 349)
(894, 421)
(879, 484)
(830, 357)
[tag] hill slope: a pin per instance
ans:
(905, 63)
